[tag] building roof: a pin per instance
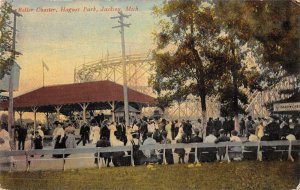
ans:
(70, 94)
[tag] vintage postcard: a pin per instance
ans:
(150, 94)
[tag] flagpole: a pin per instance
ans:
(43, 73)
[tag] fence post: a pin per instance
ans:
(27, 162)
(10, 163)
(259, 154)
(131, 156)
(98, 158)
(64, 161)
(290, 152)
(227, 154)
(196, 154)
(164, 155)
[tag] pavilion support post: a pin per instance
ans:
(34, 109)
(57, 108)
(47, 119)
(21, 118)
(84, 107)
(113, 111)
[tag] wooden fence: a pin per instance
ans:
(290, 146)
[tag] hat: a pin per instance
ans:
(135, 135)
(221, 131)
(94, 122)
(55, 122)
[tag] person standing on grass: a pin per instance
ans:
(70, 137)
(249, 125)
(188, 130)
(173, 130)
(59, 138)
(84, 133)
(41, 132)
(104, 130)
(95, 131)
(22, 134)
(242, 127)
(217, 124)
(177, 126)
(209, 126)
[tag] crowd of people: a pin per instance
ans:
(150, 132)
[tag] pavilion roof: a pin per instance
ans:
(99, 93)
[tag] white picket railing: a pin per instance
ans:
(227, 145)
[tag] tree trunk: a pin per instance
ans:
(204, 116)
(235, 101)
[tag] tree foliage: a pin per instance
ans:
(203, 49)
(185, 43)
(275, 25)
(6, 51)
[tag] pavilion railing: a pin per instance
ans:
(290, 146)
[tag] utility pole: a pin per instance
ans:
(122, 25)
(11, 84)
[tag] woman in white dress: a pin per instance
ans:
(95, 132)
(28, 141)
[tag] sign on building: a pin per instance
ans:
(293, 106)
(4, 83)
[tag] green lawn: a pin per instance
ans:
(235, 175)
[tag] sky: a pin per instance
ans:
(64, 40)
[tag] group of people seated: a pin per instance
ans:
(149, 132)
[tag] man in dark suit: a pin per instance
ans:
(22, 133)
(210, 126)
(84, 132)
(231, 125)
(217, 124)
(173, 130)
(273, 129)
(187, 129)
(144, 129)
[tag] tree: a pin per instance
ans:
(186, 38)
(275, 25)
(6, 51)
